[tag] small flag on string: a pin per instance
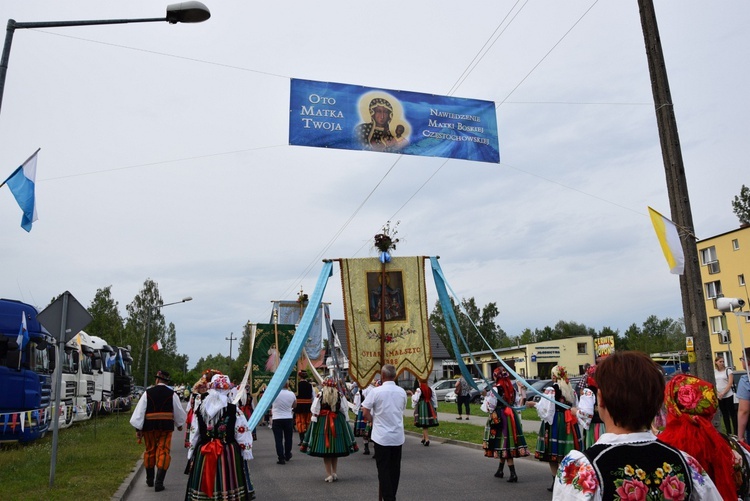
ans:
(157, 345)
(669, 239)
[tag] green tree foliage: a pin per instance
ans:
(468, 316)
(741, 205)
(107, 322)
(144, 312)
(218, 362)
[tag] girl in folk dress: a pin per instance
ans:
(588, 410)
(424, 402)
(503, 434)
(220, 444)
(559, 433)
(329, 435)
(361, 428)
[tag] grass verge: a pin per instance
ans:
(93, 459)
(464, 432)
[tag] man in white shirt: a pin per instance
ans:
(282, 423)
(384, 406)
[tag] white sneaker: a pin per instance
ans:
(329, 478)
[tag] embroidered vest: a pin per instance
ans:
(223, 429)
(159, 411)
(646, 470)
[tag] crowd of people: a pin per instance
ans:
(623, 433)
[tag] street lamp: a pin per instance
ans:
(183, 12)
(148, 332)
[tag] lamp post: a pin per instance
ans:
(148, 332)
(183, 12)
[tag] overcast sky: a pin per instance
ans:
(164, 154)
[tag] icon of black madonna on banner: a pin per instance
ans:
(389, 302)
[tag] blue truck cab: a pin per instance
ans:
(25, 374)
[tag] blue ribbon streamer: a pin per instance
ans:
(295, 347)
(450, 321)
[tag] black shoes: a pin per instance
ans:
(280, 461)
(499, 473)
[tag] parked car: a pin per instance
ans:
(138, 391)
(443, 387)
(476, 395)
(539, 386)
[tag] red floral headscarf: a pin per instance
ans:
(691, 403)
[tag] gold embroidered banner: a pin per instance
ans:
(402, 303)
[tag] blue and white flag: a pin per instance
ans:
(23, 333)
(21, 184)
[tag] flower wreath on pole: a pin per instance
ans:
(386, 240)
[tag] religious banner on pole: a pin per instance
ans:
(353, 117)
(271, 343)
(385, 307)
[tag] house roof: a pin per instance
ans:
(439, 351)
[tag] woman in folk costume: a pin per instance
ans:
(329, 435)
(503, 434)
(220, 444)
(559, 433)
(691, 404)
(425, 404)
(588, 410)
(196, 394)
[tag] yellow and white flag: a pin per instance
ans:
(391, 315)
(669, 239)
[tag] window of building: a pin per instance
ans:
(736, 244)
(741, 279)
(708, 259)
(713, 289)
(715, 324)
(708, 255)
(582, 348)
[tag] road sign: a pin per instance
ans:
(76, 317)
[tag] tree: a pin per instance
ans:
(107, 322)
(741, 205)
(483, 319)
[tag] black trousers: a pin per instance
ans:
(388, 461)
(728, 412)
(463, 400)
(283, 428)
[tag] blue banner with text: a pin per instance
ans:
(352, 117)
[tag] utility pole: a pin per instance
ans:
(230, 339)
(691, 284)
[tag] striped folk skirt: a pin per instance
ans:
(222, 477)
(329, 436)
(503, 435)
(557, 439)
(591, 435)
(425, 415)
(361, 427)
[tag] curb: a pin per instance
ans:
(127, 484)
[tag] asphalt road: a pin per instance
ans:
(442, 471)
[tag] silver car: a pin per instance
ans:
(443, 387)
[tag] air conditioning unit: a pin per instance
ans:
(713, 267)
(724, 337)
